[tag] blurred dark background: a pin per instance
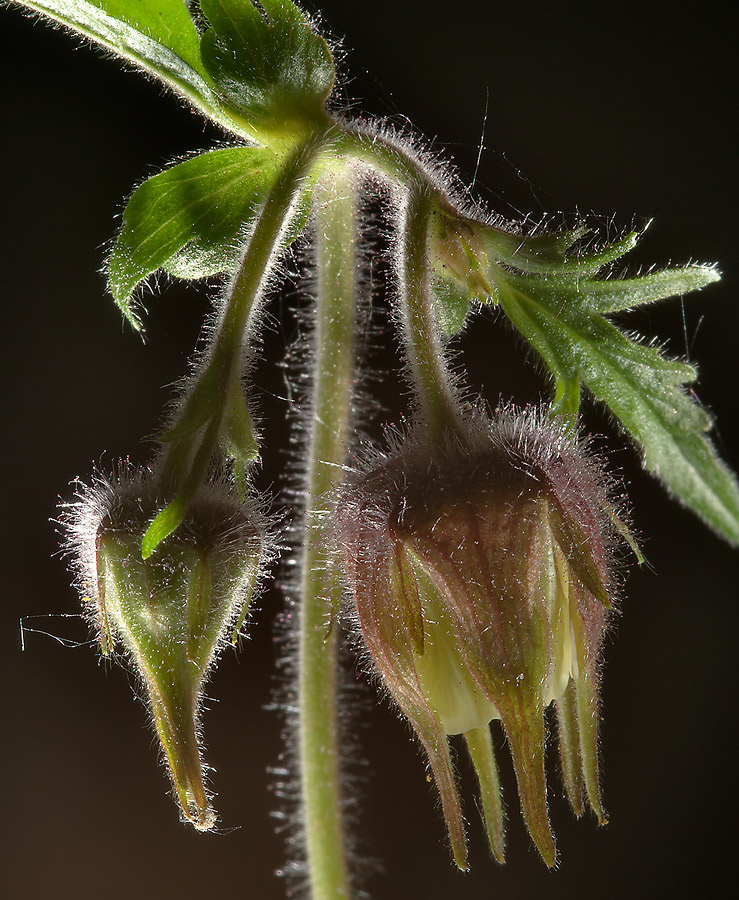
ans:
(618, 110)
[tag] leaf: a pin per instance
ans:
(561, 254)
(188, 218)
(267, 62)
(534, 253)
(158, 36)
(641, 387)
(166, 522)
(612, 295)
(583, 264)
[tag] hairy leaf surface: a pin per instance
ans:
(158, 36)
(268, 63)
(188, 219)
(642, 388)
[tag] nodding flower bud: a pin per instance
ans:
(173, 611)
(481, 573)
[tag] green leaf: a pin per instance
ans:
(158, 36)
(612, 295)
(560, 254)
(535, 254)
(583, 263)
(166, 522)
(188, 219)
(267, 62)
(640, 386)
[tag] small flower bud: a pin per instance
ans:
(173, 611)
(481, 572)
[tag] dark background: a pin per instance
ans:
(612, 109)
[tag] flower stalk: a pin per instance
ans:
(214, 412)
(435, 389)
(330, 415)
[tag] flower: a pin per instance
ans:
(173, 611)
(481, 570)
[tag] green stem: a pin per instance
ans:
(392, 161)
(330, 419)
(199, 419)
(437, 395)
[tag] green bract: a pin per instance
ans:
(563, 316)
(188, 219)
(259, 70)
(550, 291)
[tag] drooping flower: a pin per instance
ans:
(172, 612)
(481, 572)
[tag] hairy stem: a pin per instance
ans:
(199, 419)
(330, 415)
(436, 392)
